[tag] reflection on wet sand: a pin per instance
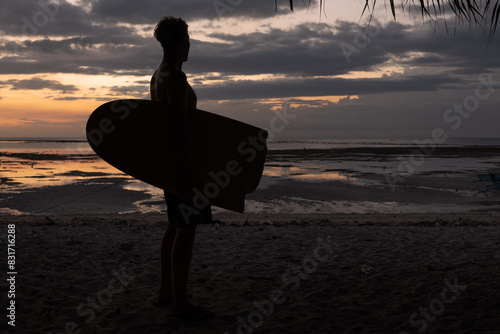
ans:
(294, 181)
(25, 174)
(307, 174)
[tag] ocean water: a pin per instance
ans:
(28, 164)
(80, 146)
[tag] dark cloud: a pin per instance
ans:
(73, 98)
(292, 87)
(37, 124)
(385, 115)
(61, 18)
(44, 18)
(145, 12)
(316, 49)
(39, 84)
(133, 91)
(84, 55)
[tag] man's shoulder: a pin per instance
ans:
(176, 76)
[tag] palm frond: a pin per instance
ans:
(472, 11)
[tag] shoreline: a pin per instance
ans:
(478, 218)
(300, 193)
(439, 151)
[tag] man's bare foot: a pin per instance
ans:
(190, 312)
(161, 303)
(164, 299)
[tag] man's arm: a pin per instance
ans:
(177, 98)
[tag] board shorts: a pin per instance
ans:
(185, 214)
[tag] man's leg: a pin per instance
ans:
(182, 252)
(167, 243)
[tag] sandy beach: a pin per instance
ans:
(346, 273)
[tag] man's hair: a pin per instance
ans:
(170, 31)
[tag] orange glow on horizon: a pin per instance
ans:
(308, 101)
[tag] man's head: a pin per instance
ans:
(172, 33)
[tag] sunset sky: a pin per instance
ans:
(401, 78)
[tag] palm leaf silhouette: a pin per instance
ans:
(471, 11)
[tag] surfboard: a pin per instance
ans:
(225, 156)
